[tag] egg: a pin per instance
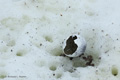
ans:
(74, 45)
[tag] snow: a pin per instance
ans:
(32, 33)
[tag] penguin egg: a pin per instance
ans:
(74, 45)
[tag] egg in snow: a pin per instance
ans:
(74, 45)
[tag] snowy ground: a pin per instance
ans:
(32, 32)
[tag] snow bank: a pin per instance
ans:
(32, 34)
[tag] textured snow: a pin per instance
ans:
(32, 33)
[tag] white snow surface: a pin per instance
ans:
(32, 33)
